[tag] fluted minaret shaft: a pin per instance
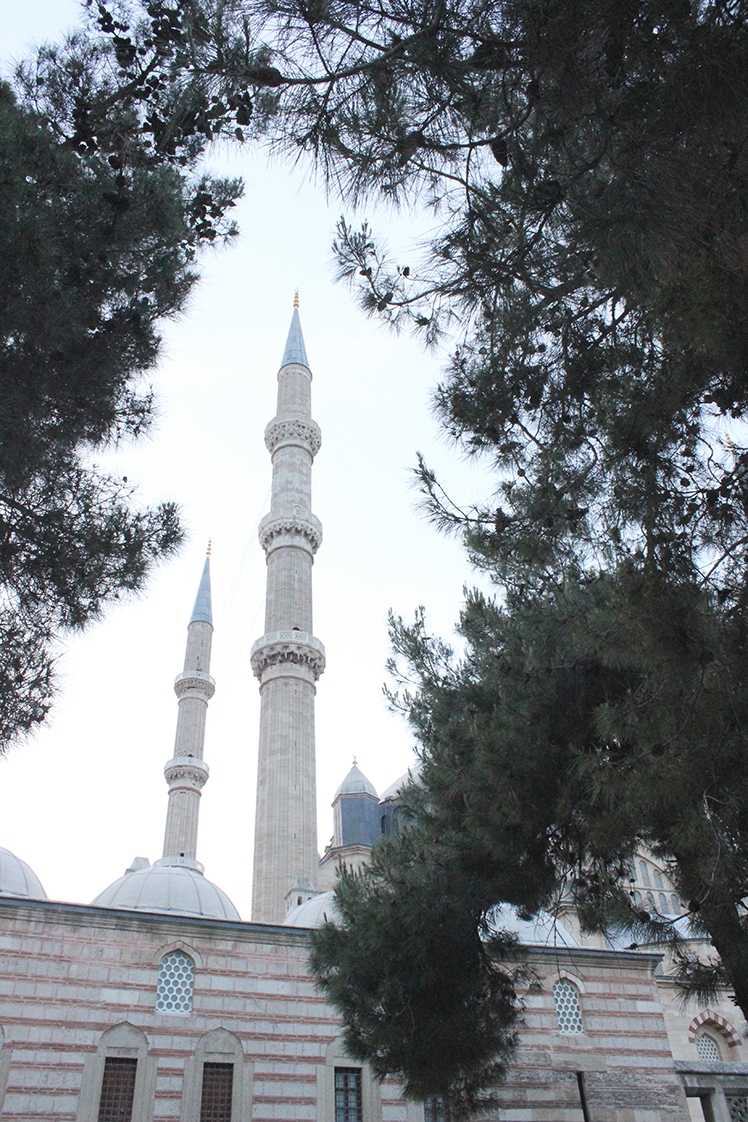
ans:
(288, 659)
(186, 773)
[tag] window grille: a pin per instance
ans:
(218, 1086)
(117, 1089)
(175, 981)
(738, 1107)
(708, 1049)
(348, 1107)
(433, 1109)
(568, 1009)
(644, 873)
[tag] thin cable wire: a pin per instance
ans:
(241, 566)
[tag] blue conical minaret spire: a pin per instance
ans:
(202, 610)
(186, 773)
(295, 350)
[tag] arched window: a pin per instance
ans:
(674, 905)
(658, 878)
(708, 1048)
(568, 1009)
(663, 903)
(118, 1079)
(638, 899)
(346, 1091)
(348, 1094)
(433, 1109)
(644, 873)
(176, 977)
(217, 1080)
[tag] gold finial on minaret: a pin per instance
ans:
(355, 762)
(296, 298)
(209, 550)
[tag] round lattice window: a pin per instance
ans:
(568, 1009)
(708, 1049)
(175, 979)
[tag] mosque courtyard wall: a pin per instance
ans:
(79, 984)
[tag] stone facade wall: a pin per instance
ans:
(622, 1059)
(79, 983)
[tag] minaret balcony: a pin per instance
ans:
(297, 647)
(293, 531)
(295, 430)
(186, 772)
(195, 683)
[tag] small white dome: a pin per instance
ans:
(356, 783)
(17, 879)
(168, 888)
(412, 775)
(314, 912)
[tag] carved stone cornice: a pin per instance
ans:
(194, 682)
(186, 771)
(301, 431)
(298, 647)
(272, 528)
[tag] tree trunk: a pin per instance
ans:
(730, 940)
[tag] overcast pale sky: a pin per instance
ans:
(87, 794)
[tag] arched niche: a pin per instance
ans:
(121, 1041)
(219, 1046)
(371, 1098)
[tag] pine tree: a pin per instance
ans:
(99, 237)
(426, 987)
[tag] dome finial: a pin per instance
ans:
(209, 550)
(296, 298)
(355, 762)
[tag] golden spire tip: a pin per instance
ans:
(355, 762)
(296, 298)
(210, 547)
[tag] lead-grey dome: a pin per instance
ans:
(356, 783)
(168, 888)
(314, 912)
(17, 879)
(412, 775)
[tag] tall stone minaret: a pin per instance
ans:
(288, 659)
(186, 773)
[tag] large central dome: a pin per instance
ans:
(168, 888)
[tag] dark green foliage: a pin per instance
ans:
(90, 259)
(96, 248)
(171, 76)
(588, 168)
(421, 980)
(583, 722)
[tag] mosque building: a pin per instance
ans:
(158, 1003)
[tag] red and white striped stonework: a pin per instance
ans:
(727, 1031)
(78, 985)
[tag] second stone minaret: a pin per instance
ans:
(186, 773)
(288, 659)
